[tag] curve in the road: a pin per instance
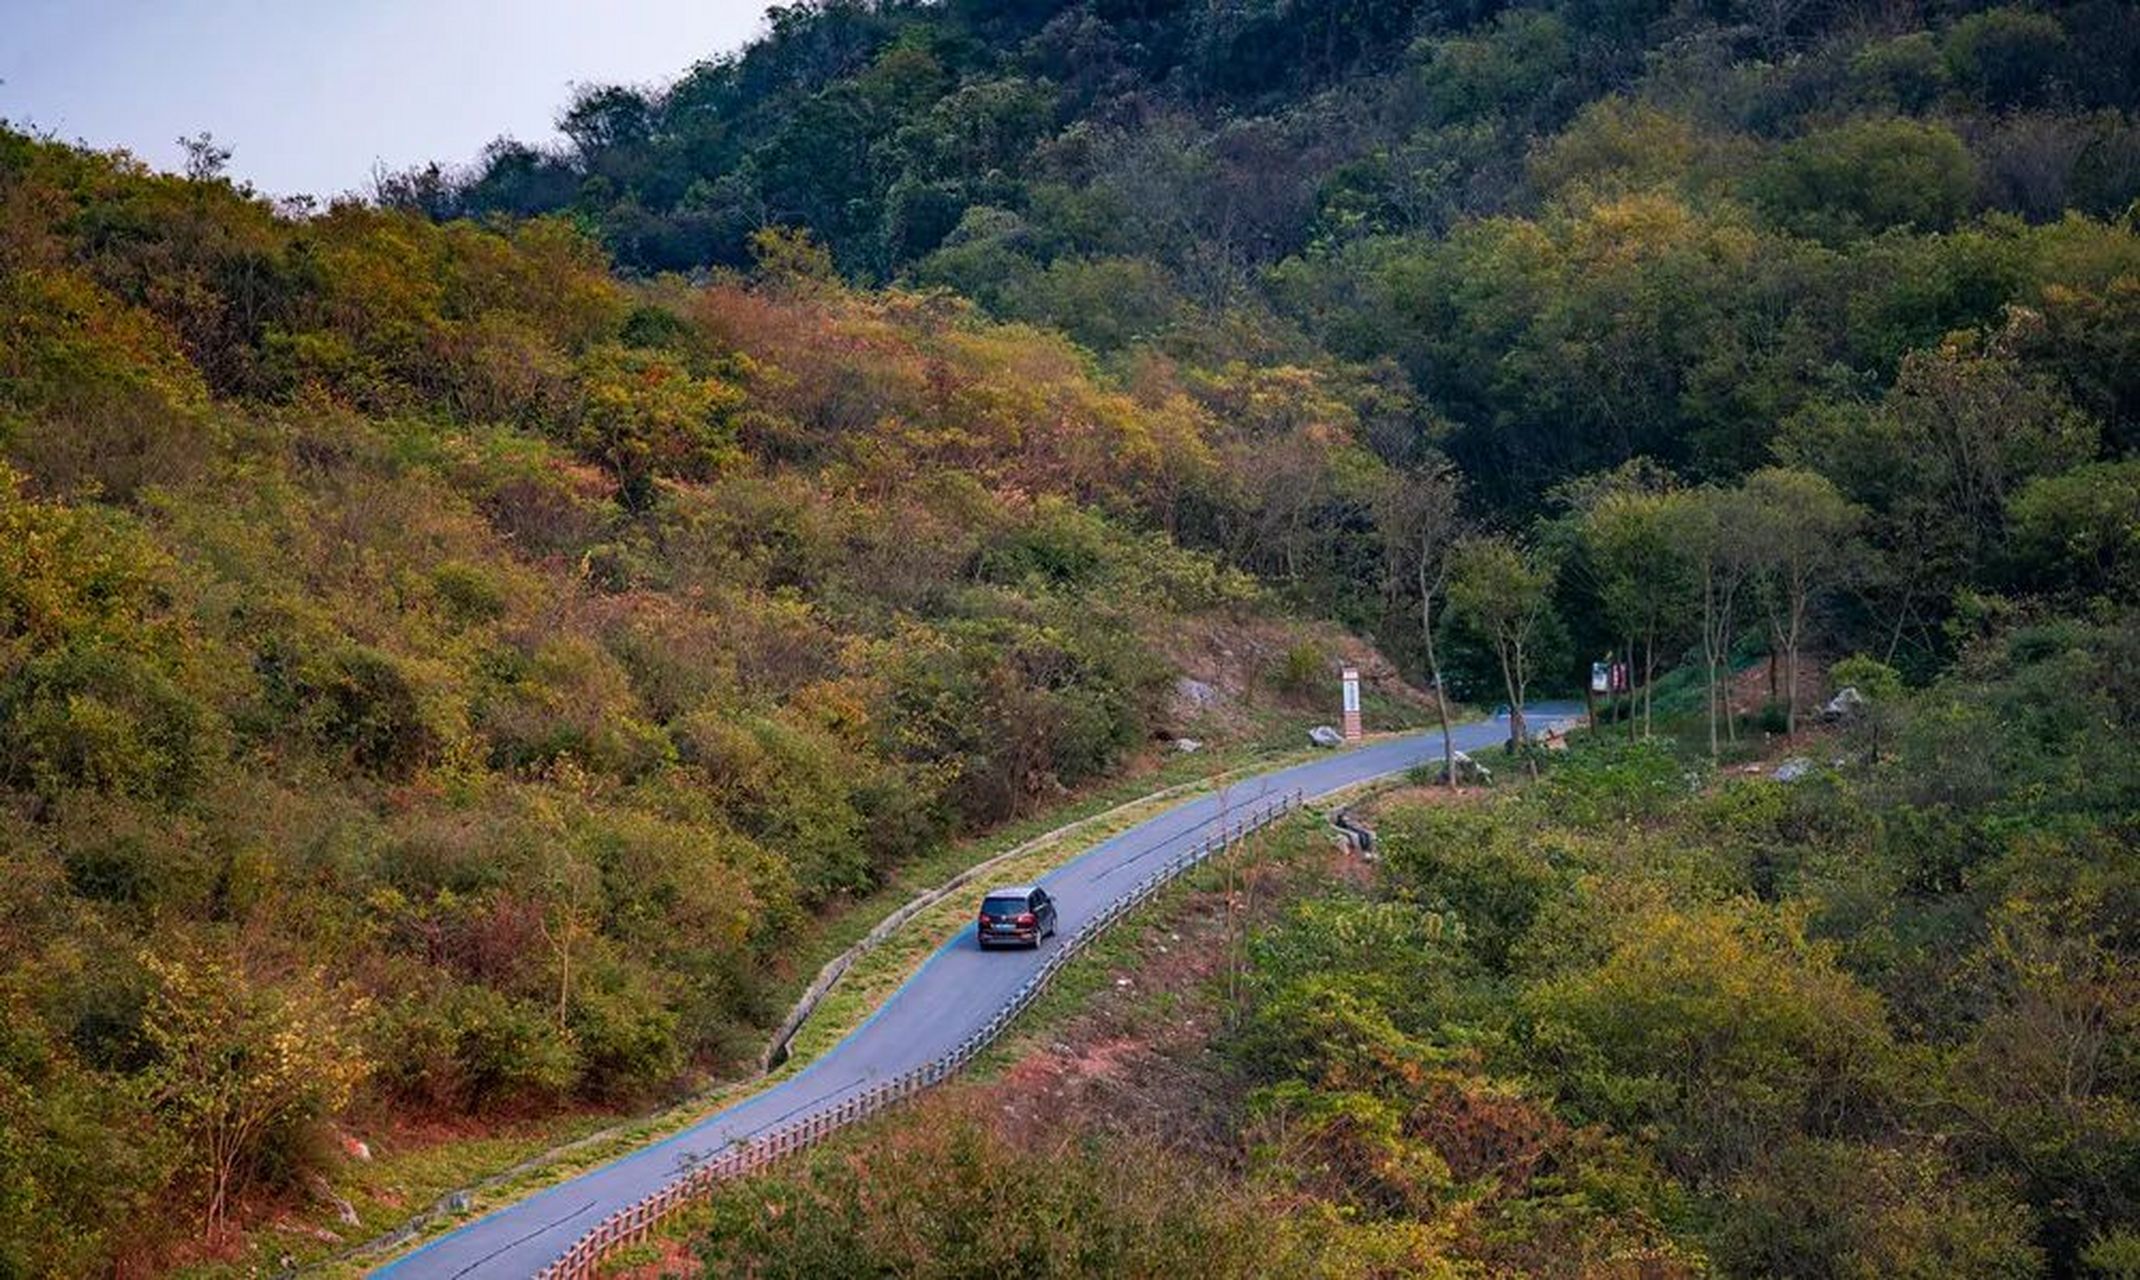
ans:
(955, 992)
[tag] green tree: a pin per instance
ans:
(1625, 529)
(1421, 518)
(2007, 56)
(1505, 591)
(2081, 528)
(1977, 425)
(1936, 464)
(1716, 530)
(239, 1064)
(1802, 548)
(1867, 176)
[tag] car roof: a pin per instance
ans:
(1012, 891)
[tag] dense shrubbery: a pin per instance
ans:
(414, 617)
(969, 1203)
(401, 606)
(1549, 240)
(1873, 1022)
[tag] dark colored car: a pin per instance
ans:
(1022, 914)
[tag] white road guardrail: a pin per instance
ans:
(635, 1222)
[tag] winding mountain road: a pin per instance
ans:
(956, 991)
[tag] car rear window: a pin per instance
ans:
(1004, 907)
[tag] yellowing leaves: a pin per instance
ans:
(236, 1059)
(68, 572)
(95, 395)
(1715, 1023)
(643, 414)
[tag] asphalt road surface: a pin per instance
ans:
(946, 1000)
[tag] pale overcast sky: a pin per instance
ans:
(310, 94)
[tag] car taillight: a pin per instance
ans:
(984, 917)
(1027, 918)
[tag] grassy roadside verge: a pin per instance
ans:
(1296, 849)
(1123, 947)
(874, 977)
(385, 1192)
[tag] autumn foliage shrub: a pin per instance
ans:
(1475, 870)
(953, 1198)
(1830, 1208)
(1605, 782)
(416, 618)
(472, 1050)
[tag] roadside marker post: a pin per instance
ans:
(1353, 729)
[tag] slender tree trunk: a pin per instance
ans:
(561, 942)
(1434, 672)
(1516, 719)
(1630, 652)
(1515, 693)
(218, 1185)
(1790, 658)
(1902, 615)
(1713, 749)
(1649, 676)
(1710, 623)
(1731, 718)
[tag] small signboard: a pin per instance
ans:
(1601, 677)
(1353, 727)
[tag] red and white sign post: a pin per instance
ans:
(1353, 730)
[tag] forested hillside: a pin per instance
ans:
(439, 680)
(453, 645)
(1552, 237)
(1541, 241)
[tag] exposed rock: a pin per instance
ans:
(1358, 840)
(1793, 769)
(1468, 770)
(344, 1210)
(1323, 735)
(1196, 693)
(1846, 703)
(1187, 746)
